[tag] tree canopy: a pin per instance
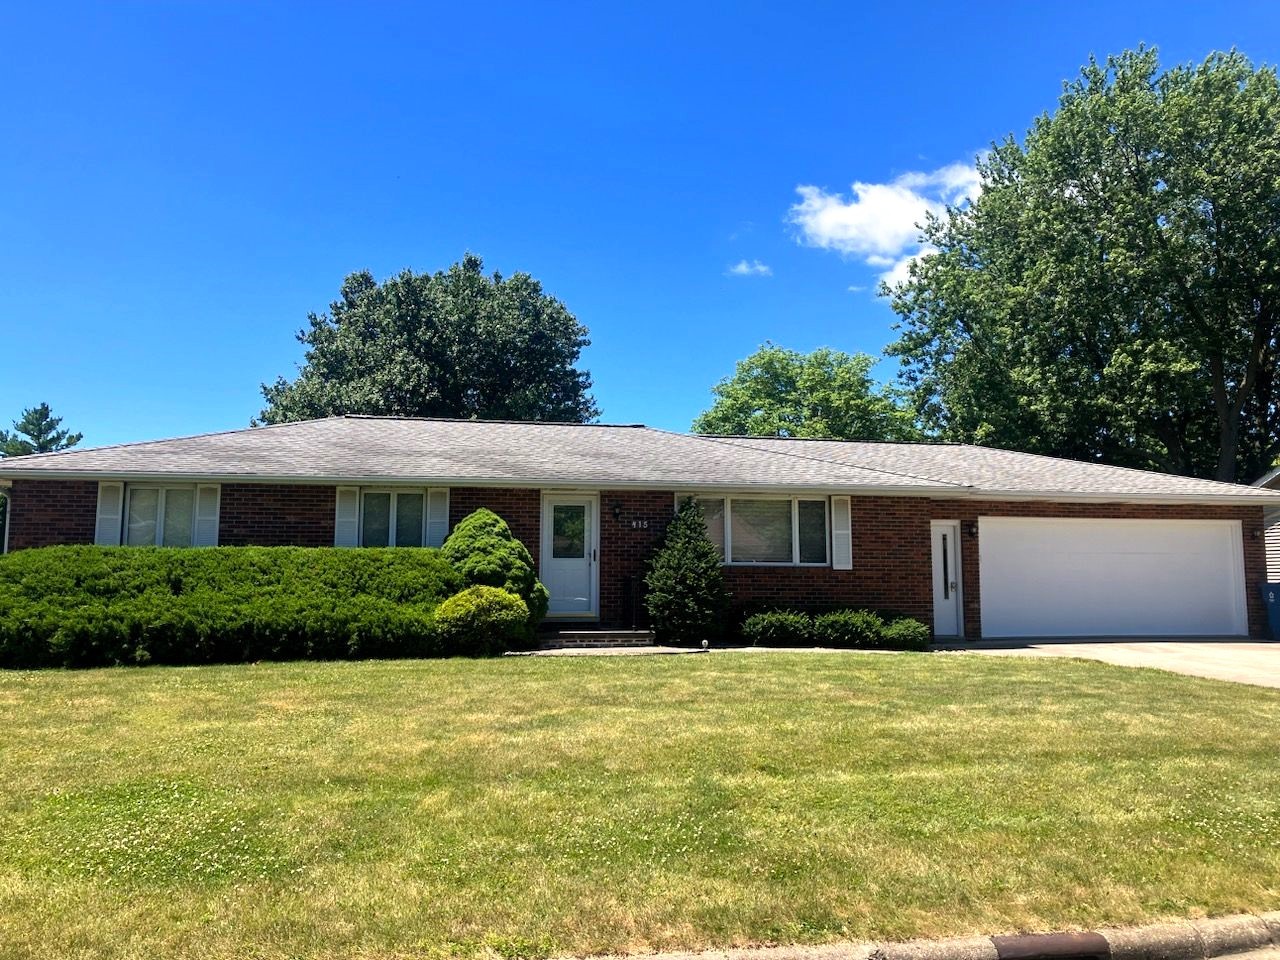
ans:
(777, 392)
(1113, 291)
(456, 343)
(36, 431)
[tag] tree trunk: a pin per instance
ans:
(1228, 446)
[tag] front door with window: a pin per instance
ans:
(947, 620)
(570, 554)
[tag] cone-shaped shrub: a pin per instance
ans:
(486, 553)
(686, 596)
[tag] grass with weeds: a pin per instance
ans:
(530, 807)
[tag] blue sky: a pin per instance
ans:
(183, 182)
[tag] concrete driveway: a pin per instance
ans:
(1239, 660)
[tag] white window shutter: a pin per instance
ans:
(841, 534)
(208, 497)
(346, 521)
(437, 516)
(106, 532)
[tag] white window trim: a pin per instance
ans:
(391, 528)
(728, 499)
(129, 488)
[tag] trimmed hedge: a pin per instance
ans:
(486, 553)
(848, 628)
(778, 628)
(859, 629)
(96, 606)
(906, 634)
(482, 620)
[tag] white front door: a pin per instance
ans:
(570, 553)
(947, 621)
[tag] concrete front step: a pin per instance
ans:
(581, 637)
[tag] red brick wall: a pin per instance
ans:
(626, 544)
(45, 513)
(891, 566)
(968, 512)
(891, 540)
(891, 560)
(522, 509)
(892, 553)
(276, 515)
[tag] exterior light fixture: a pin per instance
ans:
(617, 510)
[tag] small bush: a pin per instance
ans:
(905, 634)
(857, 629)
(482, 620)
(94, 606)
(778, 628)
(848, 628)
(686, 596)
(486, 553)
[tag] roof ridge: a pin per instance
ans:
(888, 473)
(190, 436)
(540, 423)
(887, 443)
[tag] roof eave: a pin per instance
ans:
(939, 491)
(1247, 499)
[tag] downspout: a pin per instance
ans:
(5, 486)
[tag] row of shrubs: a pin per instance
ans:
(860, 629)
(92, 606)
(478, 595)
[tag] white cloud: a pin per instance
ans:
(901, 269)
(750, 268)
(879, 223)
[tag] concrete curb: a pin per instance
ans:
(1185, 940)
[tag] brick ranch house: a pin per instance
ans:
(975, 542)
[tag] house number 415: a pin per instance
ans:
(639, 524)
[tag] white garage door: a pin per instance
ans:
(1081, 578)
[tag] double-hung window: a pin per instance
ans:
(403, 518)
(160, 516)
(776, 531)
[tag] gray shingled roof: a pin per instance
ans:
(488, 453)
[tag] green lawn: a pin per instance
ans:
(529, 807)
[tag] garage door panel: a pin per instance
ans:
(1042, 577)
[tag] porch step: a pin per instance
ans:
(586, 637)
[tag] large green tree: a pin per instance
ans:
(1113, 292)
(36, 431)
(777, 392)
(456, 343)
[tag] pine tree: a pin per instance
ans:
(36, 432)
(686, 596)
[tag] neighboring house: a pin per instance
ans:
(1271, 526)
(974, 541)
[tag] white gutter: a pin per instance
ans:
(1266, 479)
(941, 491)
